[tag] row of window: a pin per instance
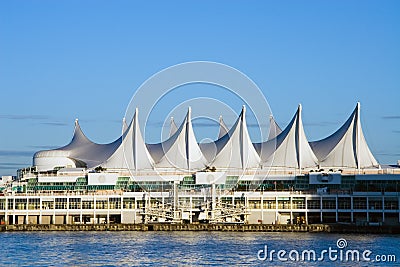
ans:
(388, 203)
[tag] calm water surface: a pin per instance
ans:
(178, 248)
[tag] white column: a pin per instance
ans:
(108, 210)
(6, 213)
(276, 209)
(191, 207)
(121, 207)
(67, 213)
(40, 210)
(80, 213)
(27, 211)
(54, 210)
(291, 209)
(94, 210)
(14, 211)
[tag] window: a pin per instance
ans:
(47, 205)
(115, 203)
(61, 203)
(87, 204)
(34, 204)
(74, 203)
(20, 203)
(101, 204)
(129, 203)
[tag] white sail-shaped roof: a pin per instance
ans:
(233, 150)
(274, 129)
(173, 128)
(132, 153)
(346, 147)
(289, 149)
(81, 151)
(223, 129)
(180, 151)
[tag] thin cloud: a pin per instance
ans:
(23, 117)
(387, 154)
(320, 124)
(156, 124)
(11, 153)
(395, 117)
(205, 124)
(54, 123)
(12, 166)
(396, 131)
(98, 120)
(255, 125)
(43, 147)
(8, 168)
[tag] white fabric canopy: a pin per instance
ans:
(80, 150)
(274, 129)
(346, 147)
(180, 151)
(132, 153)
(289, 149)
(223, 129)
(234, 149)
(173, 128)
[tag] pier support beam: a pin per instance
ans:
(337, 207)
(352, 209)
(306, 206)
(383, 209)
(367, 209)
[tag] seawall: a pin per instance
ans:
(312, 228)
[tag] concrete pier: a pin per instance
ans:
(312, 228)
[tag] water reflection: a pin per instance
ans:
(172, 248)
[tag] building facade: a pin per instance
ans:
(284, 180)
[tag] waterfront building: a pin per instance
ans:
(285, 179)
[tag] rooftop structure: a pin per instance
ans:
(285, 149)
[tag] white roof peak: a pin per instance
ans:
(223, 129)
(346, 147)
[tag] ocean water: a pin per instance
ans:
(186, 248)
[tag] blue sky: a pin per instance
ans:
(61, 60)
